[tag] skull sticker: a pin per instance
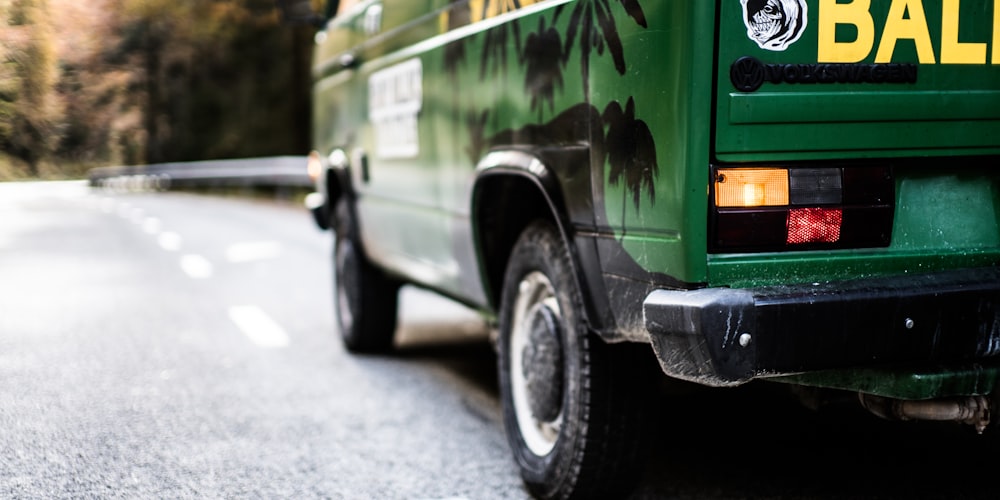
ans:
(774, 24)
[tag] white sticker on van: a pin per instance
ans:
(775, 24)
(395, 98)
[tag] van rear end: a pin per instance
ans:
(854, 218)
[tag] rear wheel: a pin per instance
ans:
(572, 404)
(366, 299)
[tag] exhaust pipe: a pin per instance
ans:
(972, 410)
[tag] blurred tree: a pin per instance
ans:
(139, 81)
(217, 78)
(8, 81)
(102, 123)
(29, 104)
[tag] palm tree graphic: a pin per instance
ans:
(628, 146)
(543, 75)
(631, 154)
(592, 26)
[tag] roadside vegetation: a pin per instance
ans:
(125, 82)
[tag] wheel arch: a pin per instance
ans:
(335, 182)
(511, 190)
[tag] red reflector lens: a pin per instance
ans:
(814, 225)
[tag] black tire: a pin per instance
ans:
(365, 299)
(573, 405)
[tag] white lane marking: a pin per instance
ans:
(253, 251)
(123, 209)
(258, 326)
(196, 266)
(152, 225)
(137, 215)
(169, 241)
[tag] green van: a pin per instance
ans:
(797, 191)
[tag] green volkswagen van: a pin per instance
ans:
(796, 191)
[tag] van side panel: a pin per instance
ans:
(622, 79)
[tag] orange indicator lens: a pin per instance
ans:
(751, 187)
(314, 166)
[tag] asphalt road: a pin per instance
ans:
(182, 346)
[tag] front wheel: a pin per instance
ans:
(366, 299)
(573, 405)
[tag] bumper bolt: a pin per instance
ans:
(745, 339)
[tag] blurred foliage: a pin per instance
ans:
(30, 106)
(147, 81)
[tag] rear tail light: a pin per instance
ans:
(814, 225)
(314, 166)
(759, 209)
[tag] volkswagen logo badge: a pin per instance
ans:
(747, 74)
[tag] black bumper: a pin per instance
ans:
(722, 336)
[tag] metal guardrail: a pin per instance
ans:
(276, 172)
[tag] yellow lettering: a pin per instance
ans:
(898, 27)
(485, 9)
(494, 8)
(476, 12)
(953, 51)
(996, 32)
(855, 13)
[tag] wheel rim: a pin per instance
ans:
(536, 371)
